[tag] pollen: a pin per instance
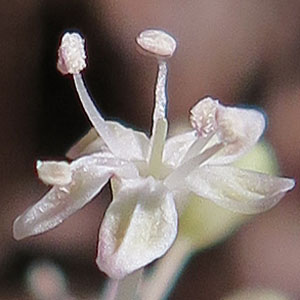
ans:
(54, 173)
(204, 116)
(71, 54)
(156, 42)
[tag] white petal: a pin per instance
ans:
(133, 145)
(176, 148)
(90, 143)
(241, 129)
(139, 226)
(238, 190)
(54, 172)
(89, 175)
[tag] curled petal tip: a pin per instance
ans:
(290, 183)
(157, 42)
(19, 231)
(71, 54)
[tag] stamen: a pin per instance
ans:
(204, 116)
(176, 179)
(71, 60)
(161, 45)
(160, 92)
(71, 54)
(157, 146)
(233, 126)
(157, 43)
(197, 147)
(160, 123)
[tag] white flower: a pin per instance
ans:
(150, 175)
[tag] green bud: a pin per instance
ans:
(204, 223)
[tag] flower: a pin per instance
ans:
(151, 178)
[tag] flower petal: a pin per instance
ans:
(241, 130)
(139, 226)
(176, 148)
(133, 144)
(89, 175)
(90, 143)
(238, 190)
(54, 172)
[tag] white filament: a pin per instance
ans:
(160, 93)
(160, 123)
(176, 179)
(94, 116)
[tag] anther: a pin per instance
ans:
(204, 116)
(71, 54)
(156, 42)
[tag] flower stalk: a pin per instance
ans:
(129, 288)
(166, 271)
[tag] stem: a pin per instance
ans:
(167, 271)
(112, 289)
(125, 289)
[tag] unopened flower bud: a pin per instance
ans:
(204, 223)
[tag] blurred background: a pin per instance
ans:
(245, 52)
